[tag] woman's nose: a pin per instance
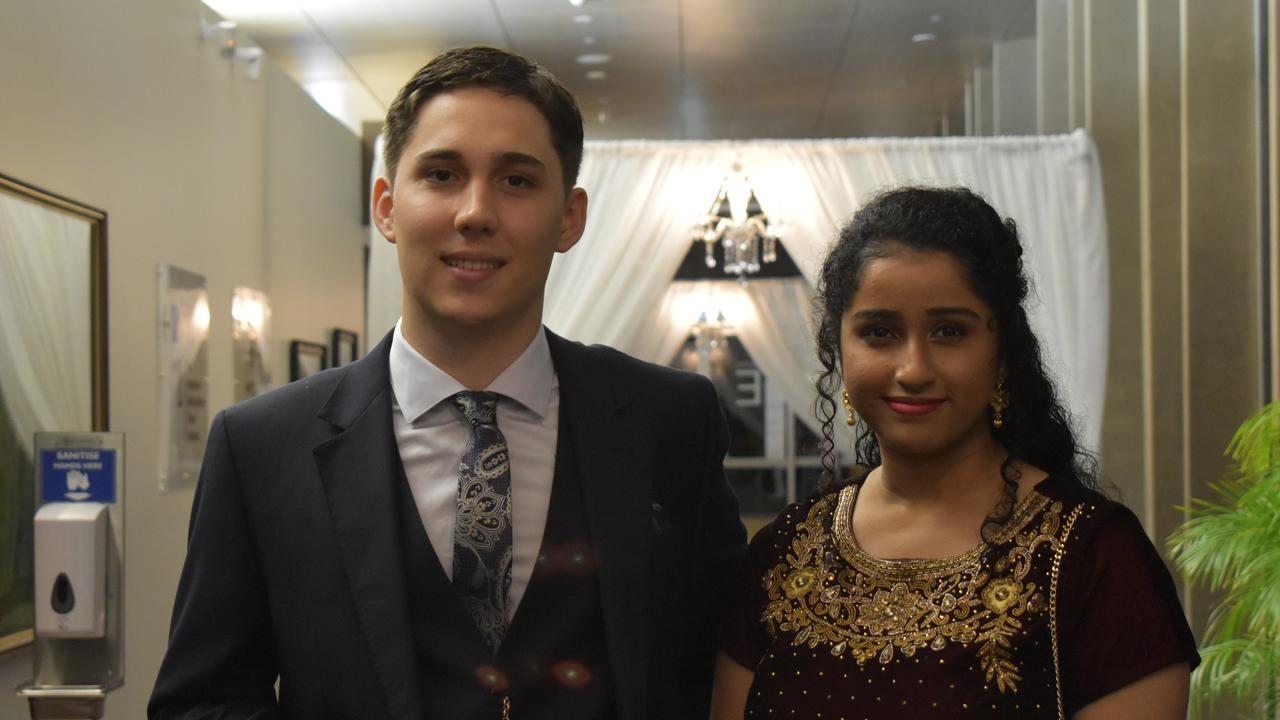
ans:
(915, 366)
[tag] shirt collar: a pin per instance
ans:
(419, 385)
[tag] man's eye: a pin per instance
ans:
(519, 181)
(438, 175)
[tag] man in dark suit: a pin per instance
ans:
(479, 519)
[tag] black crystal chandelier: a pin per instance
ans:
(747, 238)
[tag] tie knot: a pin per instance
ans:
(478, 408)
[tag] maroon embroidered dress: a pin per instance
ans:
(1072, 603)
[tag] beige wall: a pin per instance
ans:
(1273, 195)
(1013, 87)
(1053, 55)
(1221, 272)
(120, 106)
(1169, 92)
(314, 237)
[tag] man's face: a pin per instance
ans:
(477, 210)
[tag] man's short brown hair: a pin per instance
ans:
(501, 70)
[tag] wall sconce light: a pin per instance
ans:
(708, 336)
(250, 329)
(229, 47)
(224, 31)
(251, 59)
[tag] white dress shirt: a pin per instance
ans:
(431, 436)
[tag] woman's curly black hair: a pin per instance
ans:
(1036, 429)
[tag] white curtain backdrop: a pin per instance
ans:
(777, 333)
(45, 316)
(615, 286)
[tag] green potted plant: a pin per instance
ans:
(1233, 545)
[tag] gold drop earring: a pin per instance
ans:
(998, 405)
(848, 406)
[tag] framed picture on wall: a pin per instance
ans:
(182, 343)
(344, 347)
(306, 358)
(55, 253)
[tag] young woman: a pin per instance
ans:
(974, 571)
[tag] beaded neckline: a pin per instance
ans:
(1026, 509)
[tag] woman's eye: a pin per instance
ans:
(875, 332)
(950, 331)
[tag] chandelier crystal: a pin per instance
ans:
(747, 237)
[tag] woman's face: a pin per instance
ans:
(919, 354)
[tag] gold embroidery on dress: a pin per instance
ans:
(868, 608)
(1059, 553)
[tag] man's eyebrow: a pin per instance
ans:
(507, 159)
(438, 155)
(502, 159)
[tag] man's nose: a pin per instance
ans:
(476, 213)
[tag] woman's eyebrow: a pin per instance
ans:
(933, 312)
(876, 314)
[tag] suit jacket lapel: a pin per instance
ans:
(616, 491)
(358, 469)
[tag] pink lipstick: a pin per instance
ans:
(913, 406)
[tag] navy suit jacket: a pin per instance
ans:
(294, 564)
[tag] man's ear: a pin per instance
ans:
(574, 220)
(383, 208)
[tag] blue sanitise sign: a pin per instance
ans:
(78, 475)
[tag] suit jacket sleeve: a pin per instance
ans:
(716, 555)
(221, 662)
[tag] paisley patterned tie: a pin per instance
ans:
(482, 528)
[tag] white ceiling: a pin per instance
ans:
(692, 69)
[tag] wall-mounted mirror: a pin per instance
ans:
(53, 362)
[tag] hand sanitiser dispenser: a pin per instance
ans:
(71, 570)
(77, 653)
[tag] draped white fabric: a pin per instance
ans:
(777, 333)
(643, 200)
(45, 317)
(771, 319)
(615, 286)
